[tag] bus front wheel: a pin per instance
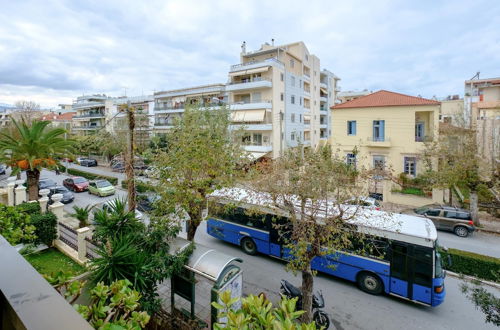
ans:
(248, 246)
(370, 283)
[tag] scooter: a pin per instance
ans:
(319, 316)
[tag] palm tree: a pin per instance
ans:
(82, 214)
(35, 146)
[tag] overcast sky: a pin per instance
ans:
(53, 51)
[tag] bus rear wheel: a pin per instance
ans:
(370, 283)
(248, 246)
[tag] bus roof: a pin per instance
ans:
(395, 226)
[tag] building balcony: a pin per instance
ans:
(323, 125)
(87, 127)
(264, 147)
(488, 104)
(265, 104)
(258, 83)
(378, 142)
(307, 77)
(423, 139)
(253, 127)
(87, 116)
(76, 106)
(307, 93)
(256, 64)
(323, 85)
(323, 108)
(323, 99)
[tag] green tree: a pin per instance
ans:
(257, 312)
(312, 189)
(82, 214)
(458, 163)
(484, 300)
(15, 225)
(36, 147)
(201, 157)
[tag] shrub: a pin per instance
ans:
(29, 208)
(140, 187)
(16, 226)
(45, 225)
(90, 176)
(473, 264)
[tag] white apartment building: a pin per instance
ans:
(281, 97)
(91, 114)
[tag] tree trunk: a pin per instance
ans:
(450, 195)
(191, 232)
(33, 177)
(307, 293)
(474, 209)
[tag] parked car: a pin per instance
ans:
(366, 202)
(108, 204)
(67, 198)
(67, 160)
(101, 188)
(448, 218)
(118, 167)
(76, 183)
(2, 169)
(88, 162)
(46, 183)
(145, 203)
(79, 159)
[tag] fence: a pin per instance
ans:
(68, 235)
(91, 248)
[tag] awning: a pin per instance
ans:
(250, 71)
(248, 116)
(324, 90)
(307, 117)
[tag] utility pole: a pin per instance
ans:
(129, 157)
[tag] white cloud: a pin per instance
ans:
(52, 51)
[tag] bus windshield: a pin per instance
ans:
(439, 266)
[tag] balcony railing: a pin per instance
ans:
(236, 67)
(87, 104)
(182, 106)
(423, 138)
(249, 81)
(90, 115)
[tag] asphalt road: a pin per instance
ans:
(350, 307)
(478, 242)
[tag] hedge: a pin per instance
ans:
(29, 208)
(472, 264)
(90, 176)
(45, 225)
(140, 187)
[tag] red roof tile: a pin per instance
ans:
(61, 117)
(384, 99)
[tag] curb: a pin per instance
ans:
(488, 231)
(469, 278)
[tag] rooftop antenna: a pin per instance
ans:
(244, 47)
(272, 41)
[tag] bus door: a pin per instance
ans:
(279, 233)
(411, 272)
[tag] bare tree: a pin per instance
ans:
(27, 110)
(312, 190)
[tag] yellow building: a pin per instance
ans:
(451, 109)
(387, 129)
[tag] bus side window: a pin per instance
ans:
(399, 266)
(423, 266)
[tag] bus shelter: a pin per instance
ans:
(207, 273)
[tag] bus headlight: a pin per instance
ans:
(439, 289)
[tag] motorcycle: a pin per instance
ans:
(320, 317)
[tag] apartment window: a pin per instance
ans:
(292, 136)
(282, 76)
(292, 118)
(300, 100)
(307, 57)
(246, 139)
(300, 83)
(410, 165)
(292, 99)
(350, 159)
(292, 63)
(351, 127)
(256, 97)
(282, 97)
(292, 81)
(379, 162)
(257, 139)
(419, 131)
(378, 130)
(300, 118)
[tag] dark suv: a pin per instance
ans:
(88, 162)
(448, 218)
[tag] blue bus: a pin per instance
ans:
(409, 267)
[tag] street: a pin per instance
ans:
(478, 242)
(350, 307)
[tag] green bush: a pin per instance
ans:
(473, 264)
(29, 208)
(140, 187)
(90, 176)
(15, 226)
(45, 225)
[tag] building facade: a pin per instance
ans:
(482, 105)
(385, 130)
(91, 114)
(280, 96)
(345, 96)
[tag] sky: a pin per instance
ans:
(52, 51)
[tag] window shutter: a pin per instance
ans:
(382, 130)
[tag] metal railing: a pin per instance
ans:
(242, 65)
(90, 115)
(87, 104)
(91, 248)
(250, 102)
(250, 81)
(378, 139)
(423, 138)
(68, 235)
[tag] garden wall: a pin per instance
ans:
(438, 196)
